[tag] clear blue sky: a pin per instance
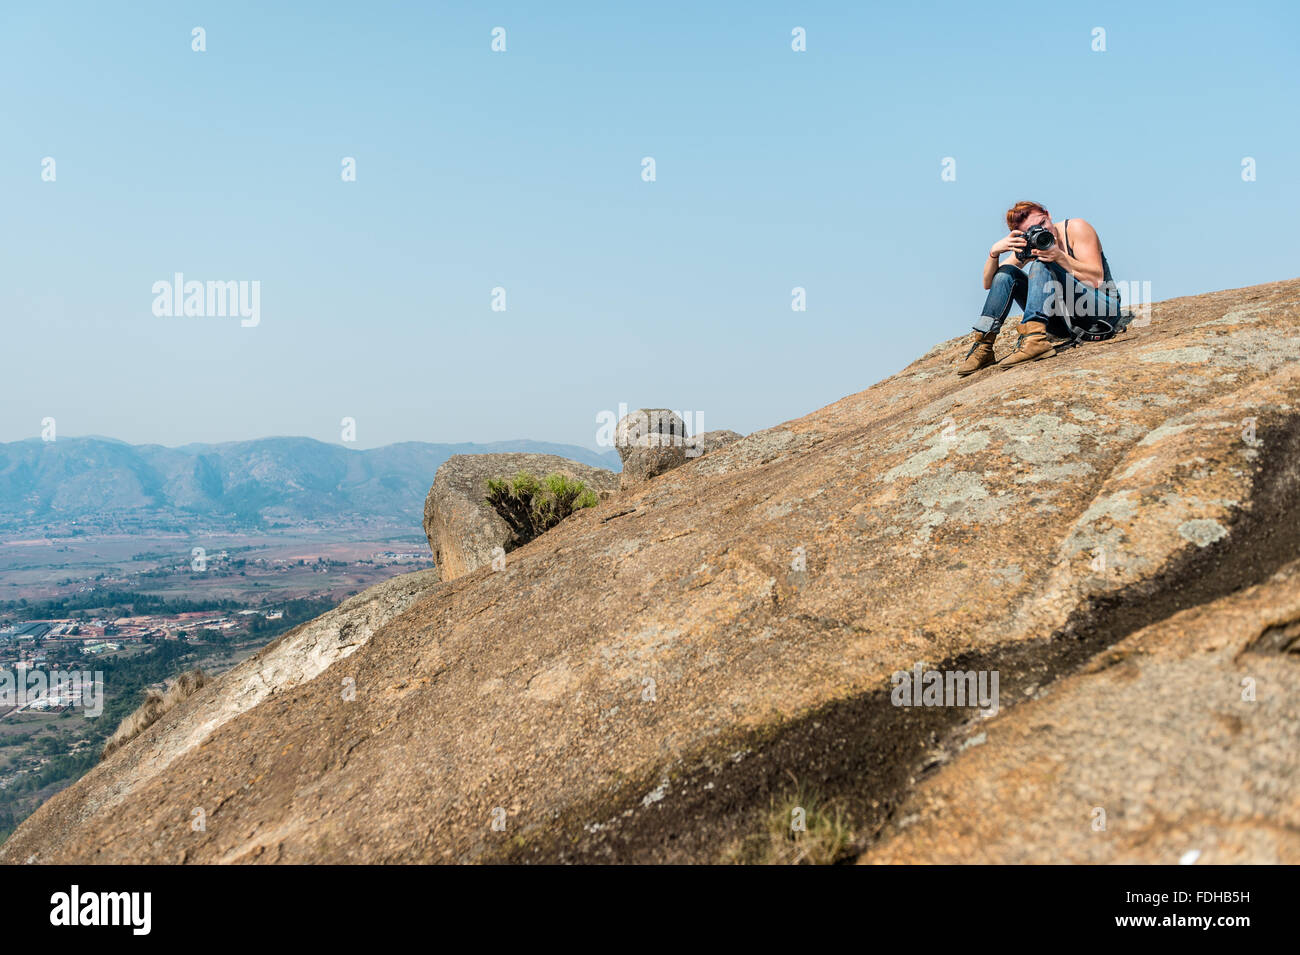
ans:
(522, 169)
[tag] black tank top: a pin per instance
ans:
(1107, 282)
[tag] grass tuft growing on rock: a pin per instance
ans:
(155, 705)
(532, 507)
(799, 829)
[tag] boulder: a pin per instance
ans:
(649, 428)
(653, 441)
(641, 464)
(463, 530)
(1109, 530)
(655, 453)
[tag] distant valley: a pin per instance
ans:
(143, 561)
(75, 486)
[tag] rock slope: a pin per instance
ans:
(1182, 742)
(1107, 530)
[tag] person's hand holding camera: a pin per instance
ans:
(1012, 242)
(1053, 253)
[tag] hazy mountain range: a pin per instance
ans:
(102, 482)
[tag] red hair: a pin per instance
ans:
(1021, 211)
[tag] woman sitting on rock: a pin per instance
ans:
(1059, 273)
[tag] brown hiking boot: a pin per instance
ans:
(980, 354)
(1032, 345)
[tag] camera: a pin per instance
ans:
(1036, 237)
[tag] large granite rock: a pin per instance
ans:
(641, 464)
(649, 428)
(653, 441)
(463, 530)
(647, 680)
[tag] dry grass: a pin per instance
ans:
(154, 706)
(799, 829)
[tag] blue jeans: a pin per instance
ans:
(1047, 293)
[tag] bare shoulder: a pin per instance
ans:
(1081, 227)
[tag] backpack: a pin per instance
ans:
(1094, 329)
